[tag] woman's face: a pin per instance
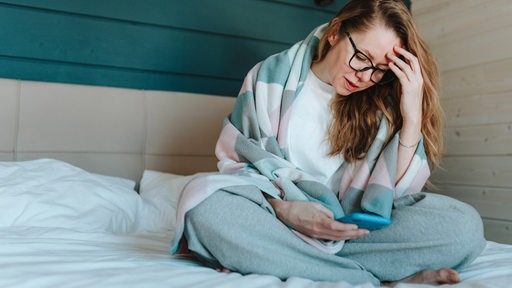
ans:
(335, 70)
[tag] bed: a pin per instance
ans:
(90, 178)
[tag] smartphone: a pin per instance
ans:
(366, 221)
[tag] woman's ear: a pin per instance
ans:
(333, 38)
(334, 31)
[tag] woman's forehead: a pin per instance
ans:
(376, 42)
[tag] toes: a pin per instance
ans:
(223, 270)
(447, 276)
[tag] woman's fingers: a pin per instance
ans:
(335, 230)
(398, 72)
(408, 72)
(315, 220)
(407, 68)
(331, 229)
(413, 60)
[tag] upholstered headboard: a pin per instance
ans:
(118, 132)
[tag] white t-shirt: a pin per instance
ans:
(308, 130)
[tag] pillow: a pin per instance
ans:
(112, 180)
(52, 193)
(162, 192)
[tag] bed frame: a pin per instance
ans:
(122, 132)
(113, 131)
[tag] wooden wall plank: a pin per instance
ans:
(489, 171)
(477, 110)
(454, 21)
(269, 21)
(492, 203)
(192, 46)
(334, 7)
(499, 231)
(488, 140)
(309, 4)
(487, 47)
(120, 44)
(49, 71)
(487, 78)
(428, 11)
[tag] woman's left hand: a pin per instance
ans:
(408, 72)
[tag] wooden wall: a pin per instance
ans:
(201, 46)
(472, 42)
(198, 46)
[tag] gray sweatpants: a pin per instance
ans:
(239, 231)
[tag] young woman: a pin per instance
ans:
(347, 120)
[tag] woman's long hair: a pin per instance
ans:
(356, 117)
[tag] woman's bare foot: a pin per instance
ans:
(435, 277)
(223, 270)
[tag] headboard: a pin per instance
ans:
(117, 132)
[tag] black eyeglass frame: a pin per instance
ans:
(392, 76)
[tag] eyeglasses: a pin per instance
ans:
(361, 63)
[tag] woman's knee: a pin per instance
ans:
(470, 232)
(213, 216)
(462, 226)
(454, 214)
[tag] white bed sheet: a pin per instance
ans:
(61, 226)
(58, 257)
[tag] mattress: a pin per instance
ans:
(61, 226)
(57, 257)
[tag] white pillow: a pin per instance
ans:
(162, 192)
(112, 180)
(52, 193)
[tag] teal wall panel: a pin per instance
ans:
(90, 41)
(202, 46)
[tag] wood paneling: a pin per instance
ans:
(479, 109)
(470, 40)
(486, 78)
(498, 230)
(200, 46)
(488, 140)
(194, 45)
(488, 171)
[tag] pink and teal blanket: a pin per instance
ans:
(252, 151)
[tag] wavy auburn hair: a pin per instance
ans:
(356, 117)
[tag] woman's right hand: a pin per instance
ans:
(314, 220)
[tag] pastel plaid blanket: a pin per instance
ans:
(252, 151)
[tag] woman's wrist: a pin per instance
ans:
(409, 140)
(277, 205)
(410, 134)
(401, 143)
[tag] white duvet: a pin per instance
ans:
(96, 231)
